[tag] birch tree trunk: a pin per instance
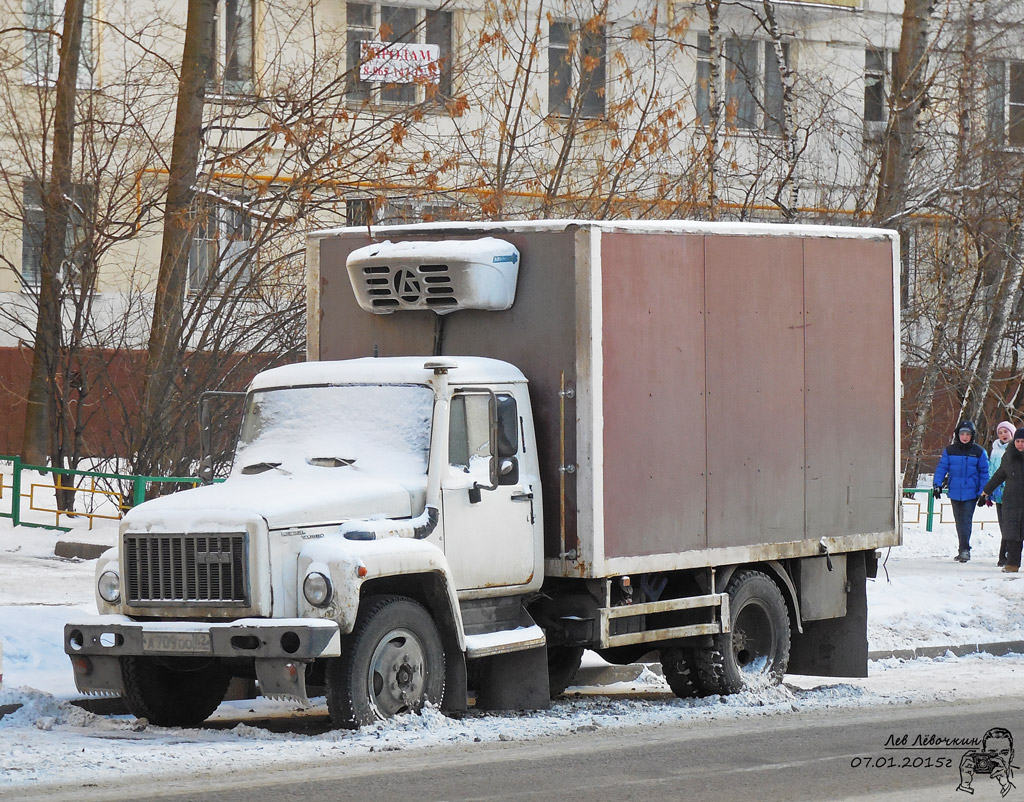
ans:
(905, 103)
(1010, 286)
(790, 145)
(909, 83)
(716, 107)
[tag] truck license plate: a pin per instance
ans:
(176, 642)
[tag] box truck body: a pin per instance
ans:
(515, 441)
(720, 392)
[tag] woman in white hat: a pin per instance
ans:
(1004, 436)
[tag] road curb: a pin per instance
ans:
(610, 674)
(73, 549)
(998, 649)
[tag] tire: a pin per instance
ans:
(180, 692)
(755, 653)
(677, 665)
(563, 663)
(392, 663)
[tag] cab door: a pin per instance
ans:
(487, 497)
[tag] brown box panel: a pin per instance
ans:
(537, 335)
(851, 394)
(346, 331)
(755, 377)
(653, 385)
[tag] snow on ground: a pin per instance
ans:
(921, 598)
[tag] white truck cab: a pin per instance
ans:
(346, 475)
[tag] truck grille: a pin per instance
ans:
(206, 569)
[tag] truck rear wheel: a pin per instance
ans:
(755, 653)
(677, 666)
(173, 692)
(392, 663)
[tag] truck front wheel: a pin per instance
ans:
(392, 663)
(755, 653)
(173, 692)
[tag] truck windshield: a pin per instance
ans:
(376, 429)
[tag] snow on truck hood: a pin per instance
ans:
(282, 500)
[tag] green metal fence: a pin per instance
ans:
(139, 484)
(929, 520)
(84, 483)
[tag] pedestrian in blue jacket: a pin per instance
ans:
(965, 464)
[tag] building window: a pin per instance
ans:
(43, 28)
(409, 211)
(577, 66)
(220, 257)
(774, 111)
(358, 212)
(398, 54)
(741, 82)
(1005, 103)
(876, 82)
(702, 101)
(76, 235)
(232, 72)
(751, 83)
(878, 69)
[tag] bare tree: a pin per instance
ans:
(163, 360)
(38, 442)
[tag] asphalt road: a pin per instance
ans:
(820, 755)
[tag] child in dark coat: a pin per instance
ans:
(965, 464)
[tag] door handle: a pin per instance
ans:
(522, 497)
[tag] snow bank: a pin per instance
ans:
(921, 597)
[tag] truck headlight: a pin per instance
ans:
(317, 589)
(109, 587)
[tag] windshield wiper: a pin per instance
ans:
(262, 467)
(331, 462)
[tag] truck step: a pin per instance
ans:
(488, 644)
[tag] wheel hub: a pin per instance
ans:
(397, 678)
(752, 639)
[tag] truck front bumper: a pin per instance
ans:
(280, 648)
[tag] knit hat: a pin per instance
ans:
(1019, 434)
(1004, 425)
(966, 426)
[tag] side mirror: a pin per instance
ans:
(493, 460)
(206, 432)
(205, 455)
(492, 416)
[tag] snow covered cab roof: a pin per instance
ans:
(387, 370)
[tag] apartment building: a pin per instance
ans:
(324, 113)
